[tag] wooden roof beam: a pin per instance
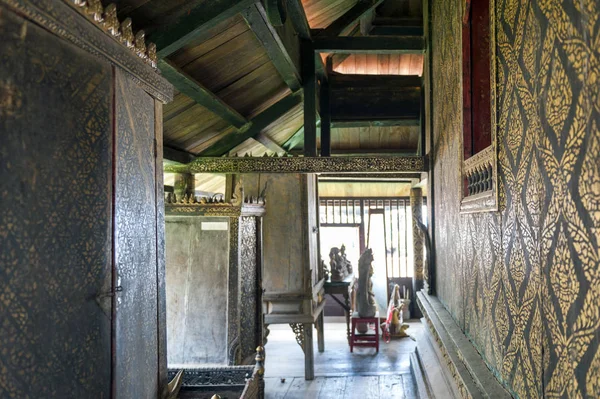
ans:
(375, 123)
(346, 22)
(296, 13)
(200, 94)
(370, 44)
(259, 122)
(194, 23)
(270, 144)
(257, 20)
(175, 155)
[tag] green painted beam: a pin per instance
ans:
(259, 122)
(257, 20)
(269, 143)
(296, 13)
(391, 30)
(344, 24)
(175, 155)
(309, 81)
(370, 44)
(200, 94)
(296, 139)
(194, 23)
(375, 123)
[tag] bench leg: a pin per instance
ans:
(352, 337)
(321, 333)
(309, 355)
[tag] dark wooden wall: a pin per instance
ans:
(523, 283)
(136, 339)
(80, 257)
(55, 216)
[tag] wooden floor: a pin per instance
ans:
(363, 387)
(339, 373)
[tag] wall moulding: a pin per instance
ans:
(372, 164)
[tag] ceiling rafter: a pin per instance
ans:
(269, 143)
(257, 20)
(259, 122)
(348, 20)
(200, 94)
(370, 44)
(195, 23)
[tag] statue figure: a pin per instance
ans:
(347, 263)
(335, 265)
(324, 270)
(395, 317)
(365, 298)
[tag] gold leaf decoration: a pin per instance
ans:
(562, 275)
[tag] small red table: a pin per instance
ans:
(368, 339)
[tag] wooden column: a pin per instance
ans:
(325, 119)
(184, 184)
(310, 98)
(416, 205)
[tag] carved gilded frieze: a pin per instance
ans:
(302, 165)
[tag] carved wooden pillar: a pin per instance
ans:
(184, 184)
(416, 205)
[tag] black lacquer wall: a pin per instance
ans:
(55, 216)
(523, 283)
(136, 339)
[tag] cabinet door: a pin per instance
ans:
(55, 216)
(136, 330)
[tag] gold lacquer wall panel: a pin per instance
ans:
(523, 283)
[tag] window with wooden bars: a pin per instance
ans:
(337, 215)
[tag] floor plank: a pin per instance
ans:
(303, 389)
(362, 387)
(410, 389)
(275, 388)
(391, 386)
(333, 388)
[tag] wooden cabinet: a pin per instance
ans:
(292, 291)
(80, 210)
(213, 283)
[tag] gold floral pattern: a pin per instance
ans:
(523, 283)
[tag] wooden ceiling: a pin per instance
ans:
(234, 69)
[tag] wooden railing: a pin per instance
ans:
(478, 173)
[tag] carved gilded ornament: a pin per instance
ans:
(216, 205)
(106, 18)
(375, 164)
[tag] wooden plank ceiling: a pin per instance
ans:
(231, 63)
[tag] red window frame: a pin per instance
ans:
(476, 50)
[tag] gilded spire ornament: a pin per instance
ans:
(127, 33)
(140, 44)
(111, 22)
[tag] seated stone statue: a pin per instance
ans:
(365, 298)
(347, 263)
(336, 267)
